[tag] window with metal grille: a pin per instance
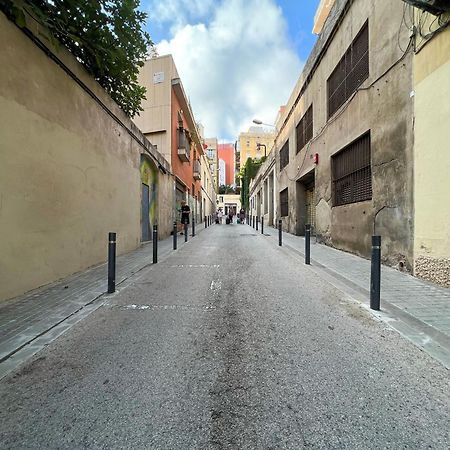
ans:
(350, 72)
(304, 130)
(284, 155)
(352, 173)
(284, 203)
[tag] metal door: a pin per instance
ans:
(145, 213)
(310, 206)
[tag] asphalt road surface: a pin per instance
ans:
(229, 343)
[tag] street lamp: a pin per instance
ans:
(260, 122)
(265, 148)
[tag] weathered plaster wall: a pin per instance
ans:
(69, 173)
(432, 160)
(386, 110)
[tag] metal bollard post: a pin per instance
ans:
(253, 221)
(257, 221)
(206, 225)
(262, 224)
(193, 227)
(186, 231)
(175, 235)
(279, 233)
(375, 273)
(111, 263)
(307, 243)
(155, 244)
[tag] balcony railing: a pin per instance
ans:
(183, 145)
(197, 170)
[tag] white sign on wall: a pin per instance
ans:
(158, 77)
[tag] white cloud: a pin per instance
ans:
(178, 12)
(238, 66)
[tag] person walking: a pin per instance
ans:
(185, 212)
(219, 216)
(242, 215)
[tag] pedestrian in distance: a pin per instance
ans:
(219, 216)
(185, 212)
(242, 215)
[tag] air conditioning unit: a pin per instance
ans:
(435, 7)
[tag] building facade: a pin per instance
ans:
(248, 143)
(226, 154)
(168, 120)
(344, 143)
(212, 154)
(431, 145)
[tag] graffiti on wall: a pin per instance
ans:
(149, 176)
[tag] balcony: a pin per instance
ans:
(183, 145)
(197, 170)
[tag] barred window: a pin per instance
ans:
(304, 130)
(284, 203)
(284, 155)
(350, 72)
(352, 173)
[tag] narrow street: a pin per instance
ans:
(229, 343)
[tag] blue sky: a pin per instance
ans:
(237, 59)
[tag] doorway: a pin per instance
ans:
(145, 213)
(305, 203)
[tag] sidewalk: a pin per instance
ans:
(419, 310)
(31, 321)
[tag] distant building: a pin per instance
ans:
(211, 152)
(226, 153)
(167, 119)
(229, 202)
(222, 172)
(249, 140)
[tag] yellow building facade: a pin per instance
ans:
(432, 151)
(248, 143)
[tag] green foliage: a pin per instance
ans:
(226, 189)
(246, 174)
(106, 36)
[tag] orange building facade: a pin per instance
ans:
(226, 153)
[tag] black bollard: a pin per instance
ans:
(111, 263)
(257, 221)
(307, 243)
(375, 273)
(253, 221)
(155, 244)
(279, 233)
(186, 231)
(193, 227)
(262, 224)
(175, 235)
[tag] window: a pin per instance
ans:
(284, 203)
(284, 155)
(352, 173)
(350, 72)
(304, 130)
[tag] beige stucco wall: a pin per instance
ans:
(432, 160)
(69, 173)
(155, 119)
